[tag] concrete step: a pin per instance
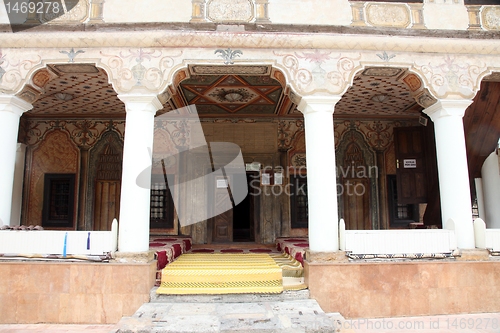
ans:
(290, 316)
(230, 298)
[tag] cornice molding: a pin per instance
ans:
(255, 37)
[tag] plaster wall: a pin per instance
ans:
(318, 12)
(126, 11)
(446, 16)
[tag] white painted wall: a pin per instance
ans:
(313, 12)
(123, 11)
(490, 173)
(445, 15)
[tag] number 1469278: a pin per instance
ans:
(38, 7)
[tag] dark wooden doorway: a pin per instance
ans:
(410, 165)
(244, 214)
(238, 223)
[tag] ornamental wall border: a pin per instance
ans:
(306, 72)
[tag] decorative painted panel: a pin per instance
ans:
(491, 17)
(221, 11)
(56, 154)
(84, 133)
(388, 15)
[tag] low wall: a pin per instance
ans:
(393, 289)
(72, 292)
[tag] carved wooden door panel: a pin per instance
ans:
(222, 223)
(356, 198)
(107, 203)
(410, 172)
(107, 188)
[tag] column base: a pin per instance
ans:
(134, 257)
(324, 257)
(473, 255)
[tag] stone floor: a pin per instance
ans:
(466, 323)
(290, 312)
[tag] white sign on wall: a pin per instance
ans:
(221, 183)
(410, 163)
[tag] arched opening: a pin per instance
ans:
(247, 106)
(77, 100)
(482, 133)
(382, 110)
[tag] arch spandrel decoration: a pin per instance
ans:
(307, 71)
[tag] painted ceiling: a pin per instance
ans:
(87, 93)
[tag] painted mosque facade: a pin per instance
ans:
(364, 96)
(383, 114)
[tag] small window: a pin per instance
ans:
(298, 201)
(58, 200)
(400, 215)
(162, 204)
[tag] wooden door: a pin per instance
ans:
(107, 203)
(222, 223)
(356, 198)
(107, 186)
(410, 168)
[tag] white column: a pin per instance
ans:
(135, 195)
(17, 192)
(452, 167)
(321, 177)
(491, 190)
(480, 198)
(11, 109)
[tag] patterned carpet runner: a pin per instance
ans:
(221, 273)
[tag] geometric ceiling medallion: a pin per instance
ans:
(235, 96)
(63, 96)
(230, 94)
(379, 98)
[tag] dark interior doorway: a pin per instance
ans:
(244, 214)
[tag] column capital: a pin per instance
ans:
(141, 102)
(14, 104)
(447, 107)
(310, 104)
